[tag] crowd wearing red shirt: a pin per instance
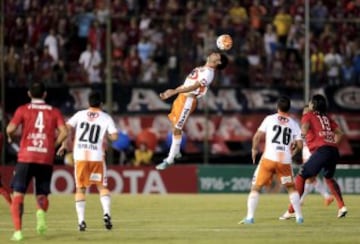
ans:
(158, 41)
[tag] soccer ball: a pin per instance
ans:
(224, 42)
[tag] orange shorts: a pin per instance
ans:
(266, 169)
(182, 107)
(89, 173)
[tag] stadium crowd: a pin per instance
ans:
(158, 41)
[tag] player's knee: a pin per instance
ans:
(255, 188)
(177, 132)
(79, 196)
(104, 191)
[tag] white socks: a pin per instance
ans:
(80, 210)
(174, 149)
(295, 201)
(252, 203)
(105, 203)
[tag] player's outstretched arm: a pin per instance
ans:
(181, 89)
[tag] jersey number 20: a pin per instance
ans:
(90, 133)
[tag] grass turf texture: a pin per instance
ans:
(187, 219)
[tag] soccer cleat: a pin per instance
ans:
(287, 215)
(107, 222)
(246, 221)
(328, 200)
(82, 226)
(17, 236)
(299, 220)
(41, 222)
(163, 165)
(342, 212)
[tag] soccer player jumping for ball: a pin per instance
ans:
(194, 87)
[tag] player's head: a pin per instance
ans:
(283, 104)
(217, 60)
(95, 99)
(318, 103)
(37, 90)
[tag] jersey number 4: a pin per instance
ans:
(39, 122)
(282, 135)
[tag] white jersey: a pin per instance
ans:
(280, 131)
(91, 126)
(204, 75)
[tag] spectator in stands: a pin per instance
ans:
(257, 13)
(320, 13)
(333, 62)
(282, 22)
(145, 49)
(96, 37)
(270, 44)
(348, 73)
(143, 155)
(45, 67)
(90, 61)
(18, 33)
(12, 66)
(102, 12)
(83, 22)
(278, 67)
(295, 41)
(317, 66)
(239, 16)
(51, 42)
(27, 64)
(132, 66)
(119, 39)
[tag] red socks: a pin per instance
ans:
(17, 207)
(42, 202)
(335, 190)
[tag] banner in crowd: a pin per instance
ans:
(218, 100)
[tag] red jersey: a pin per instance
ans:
(321, 130)
(39, 122)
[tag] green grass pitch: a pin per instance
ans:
(184, 218)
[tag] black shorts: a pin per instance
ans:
(23, 174)
(323, 159)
